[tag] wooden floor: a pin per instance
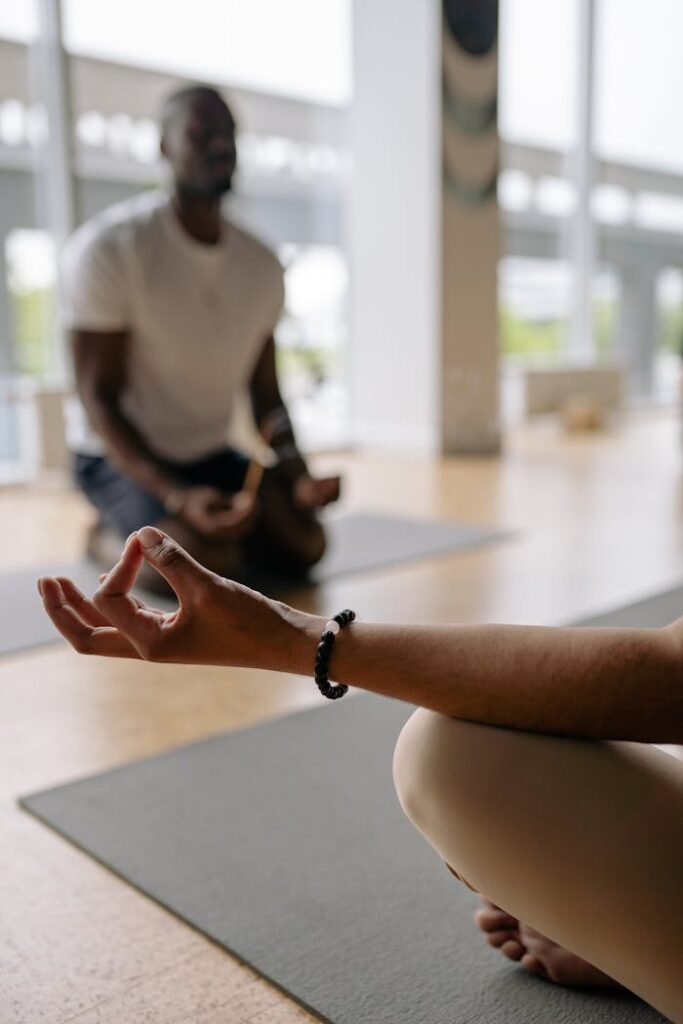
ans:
(598, 521)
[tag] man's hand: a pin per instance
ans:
(215, 515)
(310, 493)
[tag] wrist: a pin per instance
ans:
(293, 467)
(302, 635)
(287, 452)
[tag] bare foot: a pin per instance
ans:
(536, 953)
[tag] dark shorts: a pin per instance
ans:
(125, 506)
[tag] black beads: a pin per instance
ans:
(343, 618)
(333, 691)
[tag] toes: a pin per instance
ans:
(533, 965)
(513, 949)
(493, 919)
(497, 939)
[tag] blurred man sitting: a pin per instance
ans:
(171, 309)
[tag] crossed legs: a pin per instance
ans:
(582, 841)
(283, 540)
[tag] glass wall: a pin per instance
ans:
(26, 255)
(291, 89)
(537, 124)
(639, 158)
(635, 182)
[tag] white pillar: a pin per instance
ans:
(393, 230)
(423, 237)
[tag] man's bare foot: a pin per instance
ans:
(536, 953)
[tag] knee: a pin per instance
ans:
(415, 769)
(313, 545)
(435, 763)
(300, 552)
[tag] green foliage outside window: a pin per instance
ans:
(671, 329)
(543, 339)
(34, 317)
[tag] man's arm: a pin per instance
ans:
(100, 370)
(274, 425)
(270, 413)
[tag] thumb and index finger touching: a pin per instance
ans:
(149, 544)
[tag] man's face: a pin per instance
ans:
(199, 144)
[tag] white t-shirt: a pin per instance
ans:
(197, 318)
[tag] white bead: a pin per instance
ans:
(332, 627)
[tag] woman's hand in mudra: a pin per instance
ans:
(218, 622)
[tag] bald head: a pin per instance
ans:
(198, 140)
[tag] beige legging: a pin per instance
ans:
(582, 840)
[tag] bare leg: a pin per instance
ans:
(582, 841)
(537, 953)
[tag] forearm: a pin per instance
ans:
(592, 683)
(276, 428)
(127, 449)
(271, 415)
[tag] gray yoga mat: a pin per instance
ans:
(358, 542)
(285, 844)
(656, 610)
(361, 541)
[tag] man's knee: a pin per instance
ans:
(297, 551)
(313, 545)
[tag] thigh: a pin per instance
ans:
(582, 840)
(122, 504)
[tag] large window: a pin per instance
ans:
(26, 320)
(537, 123)
(639, 155)
(627, 197)
(287, 68)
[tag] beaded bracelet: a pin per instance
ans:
(322, 658)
